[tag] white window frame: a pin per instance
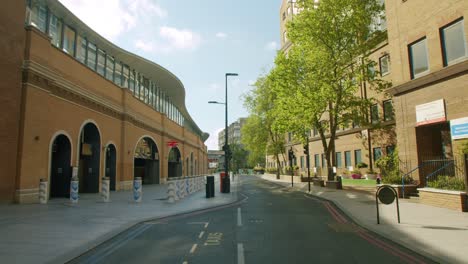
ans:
(415, 76)
(388, 64)
(442, 35)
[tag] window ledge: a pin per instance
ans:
(423, 81)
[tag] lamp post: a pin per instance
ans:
(226, 183)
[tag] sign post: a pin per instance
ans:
(386, 194)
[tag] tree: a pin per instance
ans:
(258, 134)
(319, 82)
(239, 157)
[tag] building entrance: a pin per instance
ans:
(434, 147)
(111, 165)
(146, 161)
(174, 163)
(60, 167)
(90, 153)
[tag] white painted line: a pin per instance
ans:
(201, 234)
(240, 254)
(194, 247)
(185, 262)
(239, 217)
(206, 225)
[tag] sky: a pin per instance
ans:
(199, 41)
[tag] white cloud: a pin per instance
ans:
(272, 46)
(212, 141)
(221, 35)
(170, 39)
(181, 39)
(145, 46)
(111, 18)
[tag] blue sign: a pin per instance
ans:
(459, 128)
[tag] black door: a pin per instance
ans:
(111, 165)
(60, 169)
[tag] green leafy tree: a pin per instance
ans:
(258, 134)
(239, 157)
(319, 83)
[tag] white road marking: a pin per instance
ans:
(239, 217)
(185, 262)
(240, 254)
(194, 247)
(206, 225)
(201, 234)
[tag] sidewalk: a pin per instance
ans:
(439, 233)
(57, 232)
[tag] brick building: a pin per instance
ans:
(72, 102)
(354, 144)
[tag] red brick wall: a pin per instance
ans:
(12, 16)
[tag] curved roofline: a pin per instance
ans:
(166, 80)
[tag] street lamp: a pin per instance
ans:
(226, 183)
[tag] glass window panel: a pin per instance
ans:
(118, 73)
(388, 110)
(375, 113)
(377, 154)
(110, 68)
(131, 81)
(81, 49)
(454, 43)
(125, 76)
(68, 44)
(39, 16)
(418, 57)
(338, 159)
(324, 161)
(347, 158)
(92, 54)
(146, 93)
(384, 65)
(357, 157)
(55, 30)
(101, 62)
(390, 149)
(317, 160)
(302, 162)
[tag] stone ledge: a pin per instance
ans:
(433, 190)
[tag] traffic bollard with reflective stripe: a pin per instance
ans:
(137, 190)
(43, 191)
(105, 189)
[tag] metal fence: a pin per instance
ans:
(433, 169)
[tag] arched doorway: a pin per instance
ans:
(90, 153)
(60, 167)
(146, 161)
(111, 160)
(174, 163)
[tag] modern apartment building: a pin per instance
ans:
(354, 144)
(75, 104)
(234, 133)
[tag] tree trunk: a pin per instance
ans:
(278, 165)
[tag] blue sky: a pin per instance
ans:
(199, 41)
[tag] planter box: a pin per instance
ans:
(334, 185)
(318, 182)
(410, 188)
(455, 200)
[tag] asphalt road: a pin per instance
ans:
(271, 225)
